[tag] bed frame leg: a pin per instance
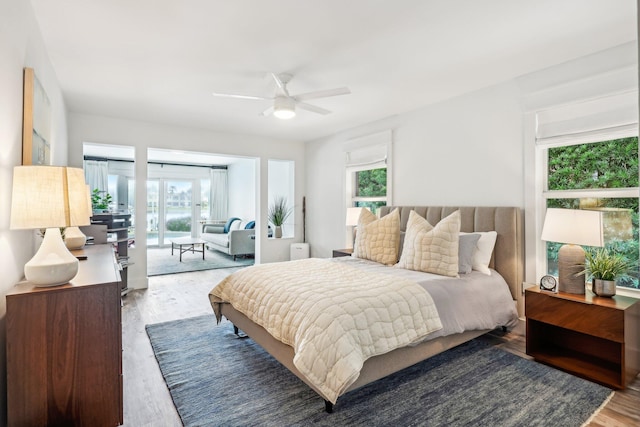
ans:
(237, 332)
(328, 407)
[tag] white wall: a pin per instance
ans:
(21, 45)
(476, 149)
(241, 177)
(142, 135)
(464, 151)
(281, 173)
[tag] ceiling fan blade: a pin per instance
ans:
(267, 112)
(312, 108)
(322, 94)
(230, 95)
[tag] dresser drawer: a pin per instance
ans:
(595, 320)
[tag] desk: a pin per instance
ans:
(190, 242)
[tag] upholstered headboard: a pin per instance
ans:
(508, 254)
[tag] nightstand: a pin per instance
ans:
(342, 252)
(589, 336)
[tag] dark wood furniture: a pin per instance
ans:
(342, 252)
(592, 337)
(64, 348)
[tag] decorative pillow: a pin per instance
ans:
(378, 239)
(431, 249)
(250, 225)
(466, 246)
(484, 250)
(230, 221)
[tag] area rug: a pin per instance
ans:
(160, 261)
(218, 379)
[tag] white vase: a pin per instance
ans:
(278, 232)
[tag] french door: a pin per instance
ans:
(173, 209)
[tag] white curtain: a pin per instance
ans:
(96, 173)
(219, 194)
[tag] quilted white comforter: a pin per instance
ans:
(333, 315)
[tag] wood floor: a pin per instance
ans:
(147, 401)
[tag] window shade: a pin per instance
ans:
(607, 117)
(369, 152)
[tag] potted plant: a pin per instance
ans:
(100, 203)
(278, 213)
(604, 267)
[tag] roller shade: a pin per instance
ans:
(607, 117)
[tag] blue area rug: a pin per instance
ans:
(217, 379)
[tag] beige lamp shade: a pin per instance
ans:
(49, 196)
(573, 226)
(353, 214)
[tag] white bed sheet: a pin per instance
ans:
(475, 301)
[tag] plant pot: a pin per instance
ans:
(603, 288)
(278, 232)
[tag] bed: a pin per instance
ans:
(506, 259)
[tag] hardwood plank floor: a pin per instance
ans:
(147, 401)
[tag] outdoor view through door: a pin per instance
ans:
(175, 208)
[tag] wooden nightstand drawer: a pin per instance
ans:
(599, 321)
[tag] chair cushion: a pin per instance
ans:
(227, 226)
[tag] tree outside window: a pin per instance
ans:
(371, 188)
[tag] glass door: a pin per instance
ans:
(153, 212)
(178, 209)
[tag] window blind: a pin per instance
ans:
(609, 117)
(368, 152)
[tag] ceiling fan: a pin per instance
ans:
(284, 104)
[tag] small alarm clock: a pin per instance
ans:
(549, 283)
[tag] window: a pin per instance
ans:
(370, 188)
(603, 176)
(368, 176)
(587, 158)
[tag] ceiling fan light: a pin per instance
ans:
(284, 108)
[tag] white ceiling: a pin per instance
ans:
(160, 60)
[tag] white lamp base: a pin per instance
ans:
(74, 238)
(53, 264)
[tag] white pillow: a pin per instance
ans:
(235, 225)
(378, 239)
(484, 249)
(431, 249)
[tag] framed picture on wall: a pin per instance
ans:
(36, 129)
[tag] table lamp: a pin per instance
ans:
(572, 227)
(49, 197)
(353, 214)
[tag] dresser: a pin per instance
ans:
(64, 347)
